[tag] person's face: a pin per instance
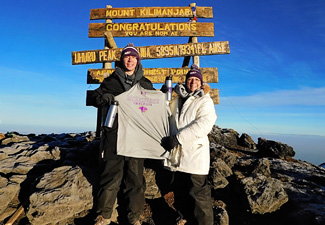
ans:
(130, 63)
(193, 83)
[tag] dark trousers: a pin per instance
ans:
(193, 198)
(130, 171)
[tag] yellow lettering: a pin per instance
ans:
(157, 12)
(187, 26)
(182, 49)
(158, 51)
(133, 27)
(119, 13)
(148, 53)
(112, 55)
(181, 12)
(102, 55)
(142, 12)
(109, 26)
(170, 50)
(176, 50)
(142, 26)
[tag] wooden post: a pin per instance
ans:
(15, 216)
(196, 59)
(106, 65)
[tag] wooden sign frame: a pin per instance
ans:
(111, 53)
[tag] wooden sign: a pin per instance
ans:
(152, 29)
(153, 52)
(150, 12)
(156, 75)
(214, 94)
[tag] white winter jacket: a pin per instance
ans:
(191, 125)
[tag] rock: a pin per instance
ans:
(218, 173)
(58, 175)
(9, 193)
(60, 196)
(152, 190)
(264, 194)
(220, 213)
(20, 158)
(304, 183)
(269, 148)
(218, 151)
(2, 136)
(225, 137)
(13, 138)
(246, 141)
(262, 166)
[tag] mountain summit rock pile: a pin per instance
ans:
(53, 178)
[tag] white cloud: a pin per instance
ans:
(305, 96)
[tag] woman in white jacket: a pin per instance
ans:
(193, 116)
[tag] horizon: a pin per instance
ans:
(271, 82)
(301, 144)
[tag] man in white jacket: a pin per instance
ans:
(193, 116)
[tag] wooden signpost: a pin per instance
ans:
(156, 75)
(153, 52)
(192, 49)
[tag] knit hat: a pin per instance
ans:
(130, 50)
(194, 72)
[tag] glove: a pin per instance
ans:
(163, 88)
(107, 99)
(169, 142)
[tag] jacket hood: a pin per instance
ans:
(206, 88)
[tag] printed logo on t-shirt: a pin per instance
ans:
(135, 100)
(143, 109)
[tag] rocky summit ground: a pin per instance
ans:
(53, 178)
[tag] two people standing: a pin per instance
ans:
(193, 116)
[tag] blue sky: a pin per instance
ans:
(272, 82)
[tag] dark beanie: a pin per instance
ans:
(130, 50)
(194, 72)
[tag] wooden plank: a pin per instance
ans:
(153, 52)
(155, 29)
(214, 94)
(150, 12)
(156, 75)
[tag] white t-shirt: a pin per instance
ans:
(142, 123)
